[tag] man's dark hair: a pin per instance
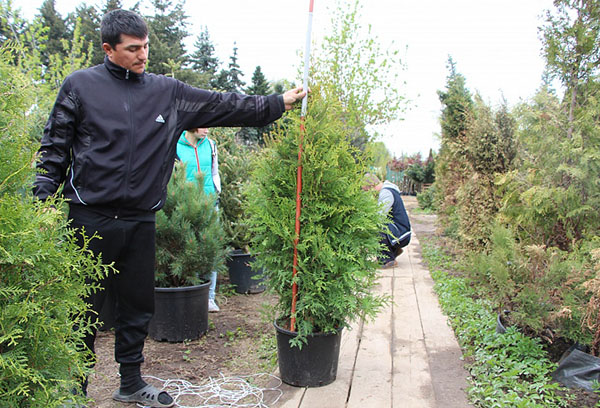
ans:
(117, 22)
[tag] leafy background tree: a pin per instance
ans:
(361, 72)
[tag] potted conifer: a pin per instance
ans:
(234, 168)
(189, 245)
(338, 243)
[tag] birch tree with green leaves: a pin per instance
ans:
(364, 75)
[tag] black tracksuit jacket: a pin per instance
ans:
(112, 134)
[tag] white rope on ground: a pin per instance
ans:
(223, 392)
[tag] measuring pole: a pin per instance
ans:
(299, 172)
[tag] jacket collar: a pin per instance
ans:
(121, 73)
(183, 140)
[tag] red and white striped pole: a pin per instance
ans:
(299, 172)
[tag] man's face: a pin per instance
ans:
(131, 53)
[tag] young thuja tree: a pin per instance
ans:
(340, 223)
(44, 275)
(189, 238)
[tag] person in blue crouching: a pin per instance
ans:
(399, 232)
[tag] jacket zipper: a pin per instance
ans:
(131, 142)
(197, 158)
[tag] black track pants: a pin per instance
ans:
(389, 252)
(130, 244)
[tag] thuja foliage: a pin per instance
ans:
(189, 239)
(529, 212)
(507, 370)
(339, 223)
(44, 275)
(489, 150)
(450, 165)
(550, 202)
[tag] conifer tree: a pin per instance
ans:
(12, 25)
(340, 222)
(203, 59)
(229, 79)
(45, 275)
(451, 167)
(89, 20)
(57, 30)
(235, 73)
(167, 27)
(259, 86)
(190, 241)
(111, 5)
(204, 64)
(572, 47)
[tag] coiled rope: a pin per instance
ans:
(223, 392)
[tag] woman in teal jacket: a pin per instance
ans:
(199, 153)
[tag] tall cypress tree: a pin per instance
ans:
(451, 167)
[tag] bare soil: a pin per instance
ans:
(239, 342)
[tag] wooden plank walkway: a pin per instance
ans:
(408, 357)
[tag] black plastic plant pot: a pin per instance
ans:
(180, 313)
(500, 326)
(241, 275)
(313, 365)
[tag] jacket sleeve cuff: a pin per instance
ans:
(281, 103)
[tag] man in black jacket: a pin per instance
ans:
(110, 142)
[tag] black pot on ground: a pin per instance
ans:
(180, 313)
(502, 321)
(241, 275)
(314, 365)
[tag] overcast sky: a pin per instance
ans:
(494, 43)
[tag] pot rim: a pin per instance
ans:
(181, 288)
(293, 334)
